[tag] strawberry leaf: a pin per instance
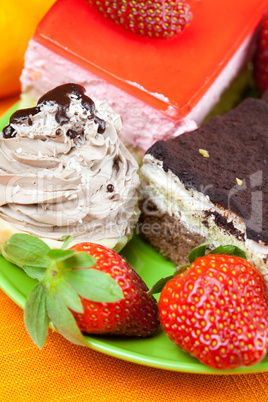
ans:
(35, 315)
(229, 250)
(58, 254)
(67, 241)
(63, 320)
(69, 296)
(159, 285)
(94, 285)
(79, 260)
(198, 251)
(26, 250)
(35, 272)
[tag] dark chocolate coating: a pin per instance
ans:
(21, 115)
(61, 96)
(237, 144)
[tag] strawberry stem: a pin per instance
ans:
(52, 275)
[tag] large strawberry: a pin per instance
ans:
(217, 310)
(261, 58)
(159, 19)
(88, 287)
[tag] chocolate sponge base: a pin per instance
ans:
(166, 233)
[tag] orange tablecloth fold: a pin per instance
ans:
(65, 372)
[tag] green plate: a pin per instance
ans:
(157, 351)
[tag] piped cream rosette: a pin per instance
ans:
(58, 179)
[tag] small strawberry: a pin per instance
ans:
(87, 287)
(217, 310)
(158, 19)
(261, 58)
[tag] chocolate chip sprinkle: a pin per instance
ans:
(9, 132)
(101, 124)
(72, 134)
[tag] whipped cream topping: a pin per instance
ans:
(63, 169)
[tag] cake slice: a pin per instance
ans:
(160, 87)
(211, 183)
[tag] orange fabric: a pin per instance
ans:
(65, 372)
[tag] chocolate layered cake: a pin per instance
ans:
(211, 183)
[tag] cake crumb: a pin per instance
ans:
(239, 182)
(204, 152)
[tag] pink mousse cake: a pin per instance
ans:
(160, 87)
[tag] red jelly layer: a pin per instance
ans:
(180, 69)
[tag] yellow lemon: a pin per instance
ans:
(18, 21)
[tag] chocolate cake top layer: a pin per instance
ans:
(237, 144)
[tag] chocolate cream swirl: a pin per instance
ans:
(63, 169)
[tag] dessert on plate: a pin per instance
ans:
(160, 87)
(210, 184)
(64, 170)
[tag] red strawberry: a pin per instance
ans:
(135, 314)
(159, 19)
(217, 311)
(88, 287)
(261, 58)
